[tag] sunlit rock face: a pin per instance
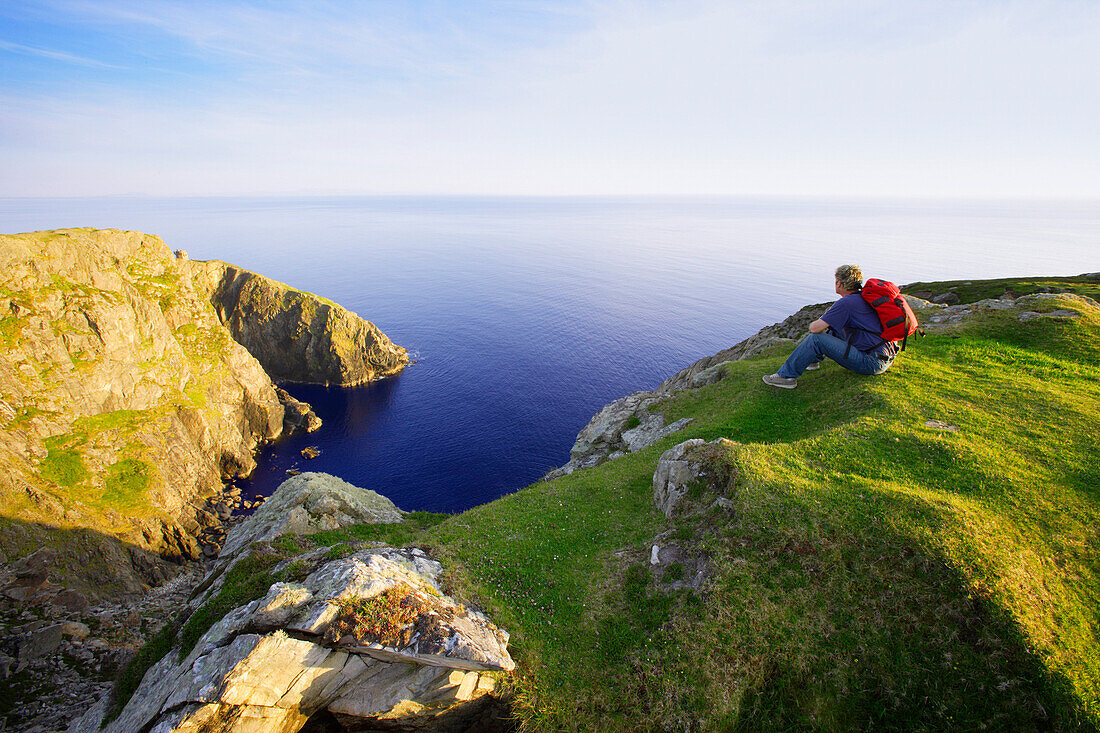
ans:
(297, 336)
(125, 400)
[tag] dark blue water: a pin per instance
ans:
(527, 315)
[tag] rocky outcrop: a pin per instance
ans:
(674, 475)
(303, 504)
(307, 646)
(790, 329)
(938, 315)
(365, 635)
(298, 416)
(125, 401)
(308, 503)
(297, 336)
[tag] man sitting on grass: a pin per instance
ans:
(849, 321)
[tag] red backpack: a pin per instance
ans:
(897, 318)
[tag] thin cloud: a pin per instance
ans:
(624, 96)
(55, 55)
(337, 40)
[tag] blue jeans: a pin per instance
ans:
(817, 346)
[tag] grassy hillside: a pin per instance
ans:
(972, 290)
(915, 551)
(875, 571)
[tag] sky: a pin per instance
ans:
(960, 98)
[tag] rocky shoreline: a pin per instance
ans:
(128, 404)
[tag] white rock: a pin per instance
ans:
(283, 601)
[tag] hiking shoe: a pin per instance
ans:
(777, 381)
(815, 365)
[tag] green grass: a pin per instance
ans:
(65, 467)
(409, 531)
(126, 482)
(11, 331)
(875, 572)
(289, 544)
(970, 291)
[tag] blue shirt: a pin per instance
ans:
(853, 316)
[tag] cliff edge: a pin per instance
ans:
(125, 398)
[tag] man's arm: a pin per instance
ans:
(819, 326)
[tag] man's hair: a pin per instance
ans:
(850, 277)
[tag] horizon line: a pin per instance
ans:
(407, 195)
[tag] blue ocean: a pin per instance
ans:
(525, 315)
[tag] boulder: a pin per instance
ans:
(298, 416)
(75, 630)
(604, 431)
(710, 375)
(38, 641)
(303, 504)
(307, 503)
(623, 426)
(675, 473)
(650, 430)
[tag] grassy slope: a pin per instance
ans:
(972, 290)
(875, 572)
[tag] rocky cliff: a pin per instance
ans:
(297, 336)
(125, 398)
(362, 635)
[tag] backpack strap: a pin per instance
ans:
(852, 334)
